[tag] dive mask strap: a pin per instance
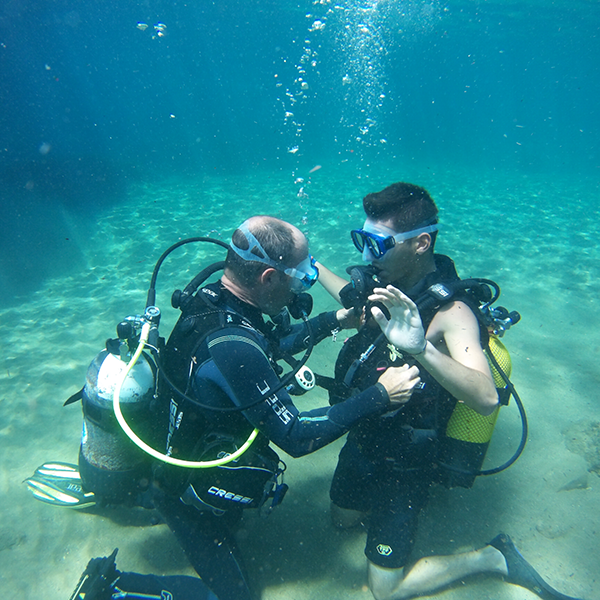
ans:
(306, 272)
(255, 252)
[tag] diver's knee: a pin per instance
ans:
(384, 583)
(344, 518)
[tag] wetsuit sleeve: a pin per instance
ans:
(240, 368)
(296, 340)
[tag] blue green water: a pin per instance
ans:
(116, 141)
(91, 102)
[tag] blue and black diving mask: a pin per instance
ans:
(374, 239)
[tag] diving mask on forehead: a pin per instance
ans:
(374, 239)
(304, 275)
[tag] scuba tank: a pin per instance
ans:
(110, 464)
(468, 433)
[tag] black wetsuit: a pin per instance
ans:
(389, 461)
(223, 353)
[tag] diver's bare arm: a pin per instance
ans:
(330, 281)
(456, 360)
(452, 354)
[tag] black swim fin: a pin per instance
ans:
(521, 573)
(98, 580)
(102, 581)
(60, 484)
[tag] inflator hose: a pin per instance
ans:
(524, 425)
(524, 428)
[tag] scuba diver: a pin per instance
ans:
(221, 399)
(414, 310)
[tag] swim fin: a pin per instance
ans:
(60, 484)
(521, 573)
(101, 580)
(98, 579)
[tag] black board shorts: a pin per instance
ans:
(391, 498)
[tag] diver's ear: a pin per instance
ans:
(269, 277)
(422, 243)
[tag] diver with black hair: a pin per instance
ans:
(415, 312)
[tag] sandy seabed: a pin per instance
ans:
(538, 241)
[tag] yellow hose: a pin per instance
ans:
(148, 449)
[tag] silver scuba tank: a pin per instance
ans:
(111, 465)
